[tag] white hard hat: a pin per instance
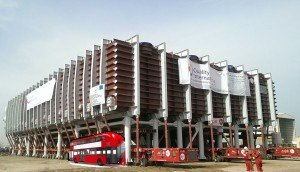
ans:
(257, 146)
(246, 149)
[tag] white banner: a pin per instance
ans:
(219, 81)
(97, 95)
(238, 84)
(184, 71)
(40, 95)
(200, 75)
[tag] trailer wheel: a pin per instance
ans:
(144, 162)
(99, 162)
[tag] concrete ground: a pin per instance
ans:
(30, 164)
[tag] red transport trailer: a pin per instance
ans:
(109, 148)
(282, 152)
(225, 154)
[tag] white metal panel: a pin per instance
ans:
(164, 86)
(134, 41)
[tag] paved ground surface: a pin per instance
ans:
(30, 164)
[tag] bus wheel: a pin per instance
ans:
(99, 162)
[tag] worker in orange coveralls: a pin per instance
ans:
(248, 161)
(258, 158)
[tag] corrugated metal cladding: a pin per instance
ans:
(48, 128)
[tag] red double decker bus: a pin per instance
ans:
(101, 149)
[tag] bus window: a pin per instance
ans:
(75, 152)
(108, 151)
(114, 151)
(104, 152)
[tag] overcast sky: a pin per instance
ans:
(38, 37)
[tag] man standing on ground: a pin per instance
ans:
(247, 158)
(258, 158)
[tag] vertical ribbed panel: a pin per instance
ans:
(176, 101)
(264, 99)
(58, 96)
(64, 98)
(218, 101)
(87, 83)
(150, 77)
(236, 107)
(70, 95)
(78, 85)
(119, 73)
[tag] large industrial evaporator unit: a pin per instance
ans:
(167, 106)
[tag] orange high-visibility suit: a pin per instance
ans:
(258, 160)
(248, 162)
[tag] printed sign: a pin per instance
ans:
(97, 95)
(40, 95)
(219, 81)
(238, 84)
(200, 75)
(184, 71)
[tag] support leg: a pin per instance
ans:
(59, 145)
(220, 137)
(236, 136)
(127, 131)
(251, 136)
(201, 140)
(155, 135)
(45, 155)
(179, 134)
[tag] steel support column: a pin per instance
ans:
(201, 140)
(155, 135)
(247, 134)
(220, 137)
(230, 135)
(127, 133)
(251, 136)
(236, 136)
(59, 145)
(34, 145)
(27, 143)
(45, 155)
(179, 134)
